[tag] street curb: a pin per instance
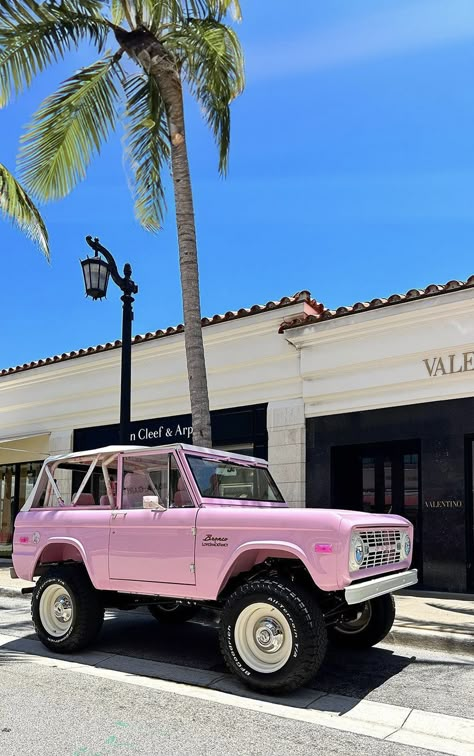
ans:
(431, 640)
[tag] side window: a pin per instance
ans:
(145, 476)
(179, 494)
(77, 483)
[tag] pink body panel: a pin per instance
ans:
(152, 547)
(192, 552)
(151, 553)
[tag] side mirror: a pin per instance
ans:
(153, 503)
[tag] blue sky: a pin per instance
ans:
(351, 174)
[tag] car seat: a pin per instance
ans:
(182, 497)
(84, 500)
(136, 485)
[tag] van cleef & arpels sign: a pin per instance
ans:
(453, 363)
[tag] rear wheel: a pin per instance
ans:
(172, 612)
(272, 635)
(66, 609)
(368, 624)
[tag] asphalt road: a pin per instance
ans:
(388, 674)
(48, 710)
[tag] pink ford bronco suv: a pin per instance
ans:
(176, 528)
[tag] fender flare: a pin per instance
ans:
(65, 541)
(285, 548)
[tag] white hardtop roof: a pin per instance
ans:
(110, 450)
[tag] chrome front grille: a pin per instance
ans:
(381, 546)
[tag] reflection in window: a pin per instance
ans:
(368, 484)
(411, 486)
(387, 476)
(219, 479)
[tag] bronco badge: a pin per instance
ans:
(210, 540)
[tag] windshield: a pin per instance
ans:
(219, 479)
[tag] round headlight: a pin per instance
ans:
(356, 553)
(406, 545)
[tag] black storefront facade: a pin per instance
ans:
(414, 460)
(241, 429)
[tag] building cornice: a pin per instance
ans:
(302, 298)
(412, 295)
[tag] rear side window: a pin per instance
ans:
(78, 484)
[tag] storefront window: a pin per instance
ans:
(411, 487)
(368, 484)
(387, 477)
(7, 493)
(16, 484)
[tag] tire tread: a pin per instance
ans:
(90, 611)
(312, 638)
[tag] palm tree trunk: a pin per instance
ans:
(188, 266)
(154, 59)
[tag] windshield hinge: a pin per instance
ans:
(192, 568)
(193, 531)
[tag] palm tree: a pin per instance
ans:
(19, 207)
(169, 43)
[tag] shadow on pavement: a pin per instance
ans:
(135, 643)
(457, 610)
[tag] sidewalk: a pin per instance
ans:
(433, 623)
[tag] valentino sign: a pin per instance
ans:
(453, 363)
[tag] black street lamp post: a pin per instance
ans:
(96, 277)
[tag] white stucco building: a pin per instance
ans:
(368, 406)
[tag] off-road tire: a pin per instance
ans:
(181, 613)
(382, 616)
(308, 634)
(88, 611)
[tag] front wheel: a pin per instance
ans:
(66, 610)
(368, 624)
(272, 635)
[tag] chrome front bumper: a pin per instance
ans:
(369, 589)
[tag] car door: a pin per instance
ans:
(152, 545)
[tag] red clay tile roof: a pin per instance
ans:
(300, 296)
(413, 294)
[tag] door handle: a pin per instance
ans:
(118, 515)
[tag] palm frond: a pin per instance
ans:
(159, 14)
(69, 129)
(212, 63)
(19, 207)
(117, 11)
(33, 35)
(215, 9)
(218, 9)
(155, 14)
(147, 149)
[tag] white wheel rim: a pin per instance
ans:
(263, 638)
(56, 610)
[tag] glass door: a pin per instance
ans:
(380, 479)
(7, 495)
(16, 484)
